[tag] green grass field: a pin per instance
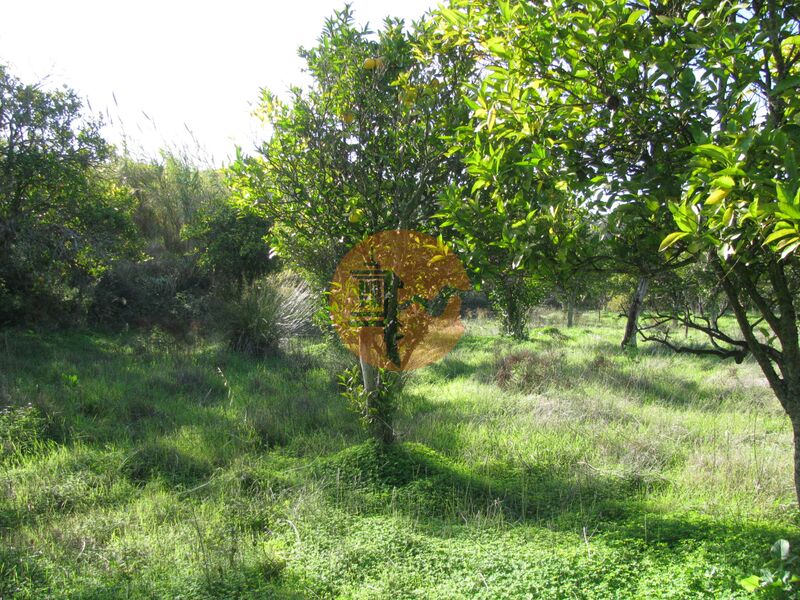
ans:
(555, 468)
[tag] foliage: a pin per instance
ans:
(576, 136)
(779, 578)
(360, 150)
(169, 192)
(169, 292)
(512, 299)
(374, 406)
(230, 241)
(62, 216)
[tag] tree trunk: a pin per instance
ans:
(785, 381)
(629, 339)
(380, 425)
(796, 431)
(570, 310)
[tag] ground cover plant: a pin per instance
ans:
(560, 466)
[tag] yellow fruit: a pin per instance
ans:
(355, 216)
(369, 64)
(348, 117)
(409, 96)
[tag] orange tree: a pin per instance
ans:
(357, 151)
(740, 210)
(574, 109)
(665, 115)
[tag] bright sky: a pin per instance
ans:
(174, 65)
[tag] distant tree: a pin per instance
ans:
(63, 218)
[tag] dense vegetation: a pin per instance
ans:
(173, 393)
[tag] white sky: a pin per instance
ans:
(184, 64)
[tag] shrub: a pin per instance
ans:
(230, 243)
(512, 299)
(167, 292)
(271, 309)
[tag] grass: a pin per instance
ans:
(558, 467)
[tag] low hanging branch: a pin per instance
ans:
(722, 344)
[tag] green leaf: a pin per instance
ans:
(726, 182)
(727, 218)
(505, 9)
(671, 239)
(781, 192)
(786, 252)
(479, 184)
(778, 234)
(790, 83)
(716, 152)
(789, 210)
(453, 17)
(698, 135)
(634, 16)
(750, 584)
(792, 40)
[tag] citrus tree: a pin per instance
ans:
(358, 151)
(679, 121)
(740, 210)
(586, 104)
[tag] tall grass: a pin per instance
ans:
(269, 310)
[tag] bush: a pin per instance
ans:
(271, 309)
(512, 299)
(168, 292)
(230, 243)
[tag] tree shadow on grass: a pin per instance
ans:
(414, 479)
(541, 366)
(439, 495)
